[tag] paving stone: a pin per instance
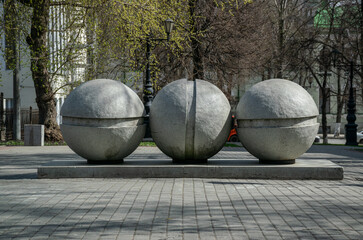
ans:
(189, 208)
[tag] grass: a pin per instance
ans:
(147, 144)
(332, 144)
(231, 145)
(152, 144)
(55, 144)
(21, 143)
(143, 144)
(329, 144)
(12, 143)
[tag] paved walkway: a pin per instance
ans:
(33, 208)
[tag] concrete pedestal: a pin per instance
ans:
(216, 168)
(33, 135)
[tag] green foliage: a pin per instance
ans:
(152, 144)
(55, 143)
(12, 143)
(109, 36)
(121, 29)
(231, 145)
(21, 143)
(147, 144)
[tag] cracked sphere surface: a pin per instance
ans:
(190, 120)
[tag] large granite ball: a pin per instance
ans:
(103, 120)
(277, 120)
(190, 120)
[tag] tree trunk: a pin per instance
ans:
(341, 99)
(91, 41)
(361, 43)
(16, 99)
(12, 61)
(197, 56)
(281, 33)
(198, 68)
(224, 83)
(323, 108)
(280, 50)
(323, 119)
(338, 119)
(39, 65)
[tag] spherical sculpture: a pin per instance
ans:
(190, 120)
(277, 121)
(103, 120)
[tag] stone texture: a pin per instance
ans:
(221, 168)
(176, 208)
(103, 120)
(33, 135)
(277, 120)
(277, 99)
(103, 98)
(190, 120)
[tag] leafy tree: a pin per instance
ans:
(92, 16)
(32, 21)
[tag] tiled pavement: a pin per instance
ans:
(33, 208)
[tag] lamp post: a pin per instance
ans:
(148, 87)
(351, 126)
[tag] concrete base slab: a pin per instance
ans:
(215, 168)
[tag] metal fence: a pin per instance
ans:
(27, 116)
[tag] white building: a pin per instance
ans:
(62, 73)
(27, 92)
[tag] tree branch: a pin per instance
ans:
(28, 3)
(72, 4)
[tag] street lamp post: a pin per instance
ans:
(148, 87)
(351, 127)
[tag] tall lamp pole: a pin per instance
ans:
(148, 87)
(351, 127)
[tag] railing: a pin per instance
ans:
(27, 116)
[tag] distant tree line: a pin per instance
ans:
(224, 42)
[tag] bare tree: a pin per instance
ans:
(223, 45)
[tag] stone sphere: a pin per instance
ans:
(277, 120)
(103, 120)
(190, 120)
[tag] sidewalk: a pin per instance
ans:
(32, 208)
(331, 136)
